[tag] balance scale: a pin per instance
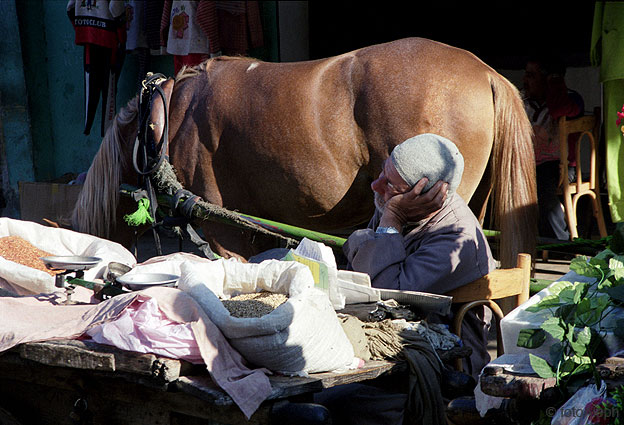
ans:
(116, 282)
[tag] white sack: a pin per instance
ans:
(26, 280)
(303, 335)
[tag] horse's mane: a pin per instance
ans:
(96, 207)
(194, 70)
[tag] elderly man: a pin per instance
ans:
(423, 237)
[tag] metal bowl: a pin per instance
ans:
(138, 281)
(70, 262)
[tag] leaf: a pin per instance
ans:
(531, 338)
(619, 328)
(616, 292)
(574, 293)
(583, 338)
(580, 291)
(548, 301)
(617, 241)
(616, 262)
(553, 326)
(581, 360)
(567, 296)
(619, 258)
(618, 273)
(601, 263)
(541, 366)
(556, 352)
(589, 310)
(566, 367)
(605, 255)
(585, 305)
(557, 287)
(567, 312)
(584, 268)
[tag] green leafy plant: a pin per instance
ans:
(617, 396)
(576, 320)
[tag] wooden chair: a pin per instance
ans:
(588, 128)
(496, 285)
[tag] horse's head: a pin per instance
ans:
(98, 207)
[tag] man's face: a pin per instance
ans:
(388, 184)
(534, 82)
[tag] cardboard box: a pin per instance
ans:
(54, 201)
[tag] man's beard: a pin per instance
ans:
(380, 204)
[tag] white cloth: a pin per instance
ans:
(104, 9)
(517, 363)
(25, 280)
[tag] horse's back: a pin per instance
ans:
(316, 132)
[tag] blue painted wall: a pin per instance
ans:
(15, 137)
(42, 92)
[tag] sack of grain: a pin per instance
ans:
(300, 335)
(22, 272)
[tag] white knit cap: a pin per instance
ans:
(429, 155)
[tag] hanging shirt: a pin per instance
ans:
(185, 35)
(98, 22)
(99, 27)
(135, 24)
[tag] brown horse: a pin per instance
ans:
(301, 142)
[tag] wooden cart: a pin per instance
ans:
(81, 382)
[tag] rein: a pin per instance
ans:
(149, 164)
(144, 158)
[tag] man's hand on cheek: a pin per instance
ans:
(411, 206)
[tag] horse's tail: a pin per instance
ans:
(96, 207)
(513, 173)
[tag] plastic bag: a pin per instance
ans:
(576, 411)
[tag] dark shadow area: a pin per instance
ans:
(500, 33)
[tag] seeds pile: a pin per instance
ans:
(254, 305)
(18, 250)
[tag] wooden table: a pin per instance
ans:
(55, 381)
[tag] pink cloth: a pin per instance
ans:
(42, 317)
(144, 328)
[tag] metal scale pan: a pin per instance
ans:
(139, 281)
(70, 262)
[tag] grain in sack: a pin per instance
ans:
(301, 335)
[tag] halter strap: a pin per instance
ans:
(150, 85)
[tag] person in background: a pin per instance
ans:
(546, 99)
(423, 237)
